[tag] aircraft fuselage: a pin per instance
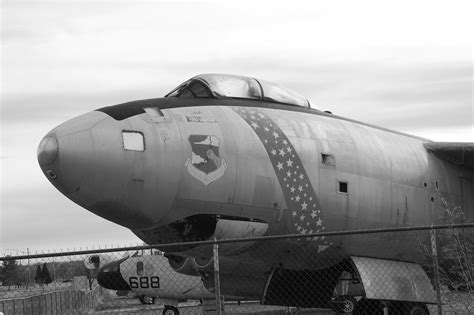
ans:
(285, 169)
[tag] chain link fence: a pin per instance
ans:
(429, 271)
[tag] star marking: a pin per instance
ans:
(290, 172)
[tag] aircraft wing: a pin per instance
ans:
(459, 153)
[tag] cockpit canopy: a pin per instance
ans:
(233, 86)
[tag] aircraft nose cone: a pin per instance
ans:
(109, 276)
(48, 151)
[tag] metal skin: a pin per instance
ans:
(155, 278)
(163, 195)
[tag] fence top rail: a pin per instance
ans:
(238, 240)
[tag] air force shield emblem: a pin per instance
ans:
(205, 163)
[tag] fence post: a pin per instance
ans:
(217, 282)
(434, 252)
(56, 302)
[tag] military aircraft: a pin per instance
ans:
(151, 278)
(225, 156)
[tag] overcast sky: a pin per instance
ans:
(405, 65)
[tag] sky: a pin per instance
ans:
(403, 65)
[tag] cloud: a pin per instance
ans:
(49, 220)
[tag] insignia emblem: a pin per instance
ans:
(205, 163)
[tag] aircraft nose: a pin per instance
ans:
(48, 151)
(112, 280)
(64, 153)
(109, 276)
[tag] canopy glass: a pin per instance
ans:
(232, 86)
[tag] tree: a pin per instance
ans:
(455, 248)
(45, 274)
(9, 273)
(39, 275)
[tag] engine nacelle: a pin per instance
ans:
(201, 267)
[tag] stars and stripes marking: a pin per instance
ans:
(302, 202)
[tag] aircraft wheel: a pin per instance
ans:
(170, 310)
(146, 299)
(344, 304)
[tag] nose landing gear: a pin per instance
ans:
(170, 310)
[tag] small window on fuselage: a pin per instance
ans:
(133, 141)
(343, 187)
(328, 159)
(140, 268)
